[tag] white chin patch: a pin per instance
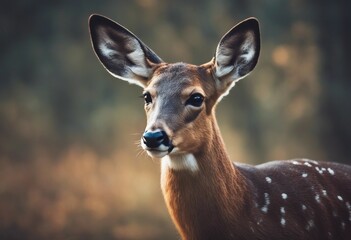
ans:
(156, 154)
(159, 152)
(180, 162)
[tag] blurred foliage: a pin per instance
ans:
(69, 168)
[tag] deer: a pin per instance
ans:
(206, 194)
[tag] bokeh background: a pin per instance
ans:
(70, 165)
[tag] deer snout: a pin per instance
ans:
(154, 139)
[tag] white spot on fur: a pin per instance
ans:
(319, 170)
(310, 224)
(303, 206)
(296, 163)
(266, 203)
(318, 199)
(304, 175)
(284, 196)
(324, 192)
(340, 198)
(264, 209)
(307, 164)
(282, 210)
(268, 179)
(282, 221)
(181, 162)
(331, 171)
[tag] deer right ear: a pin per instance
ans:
(121, 52)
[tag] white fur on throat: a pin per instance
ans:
(180, 162)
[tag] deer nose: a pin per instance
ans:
(153, 139)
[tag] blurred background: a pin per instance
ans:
(70, 166)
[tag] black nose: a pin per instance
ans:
(155, 139)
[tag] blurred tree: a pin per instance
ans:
(333, 22)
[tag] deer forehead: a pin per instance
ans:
(177, 79)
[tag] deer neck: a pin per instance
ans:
(209, 189)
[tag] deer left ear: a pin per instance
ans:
(121, 52)
(237, 53)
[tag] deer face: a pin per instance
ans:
(179, 98)
(177, 104)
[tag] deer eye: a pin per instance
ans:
(195, 100)
(147, 98)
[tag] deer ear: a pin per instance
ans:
(121, 52)
(237, 53)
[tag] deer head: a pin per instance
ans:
(179, 98)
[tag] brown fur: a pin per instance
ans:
(199, 201)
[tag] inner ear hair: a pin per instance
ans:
(238, 51)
